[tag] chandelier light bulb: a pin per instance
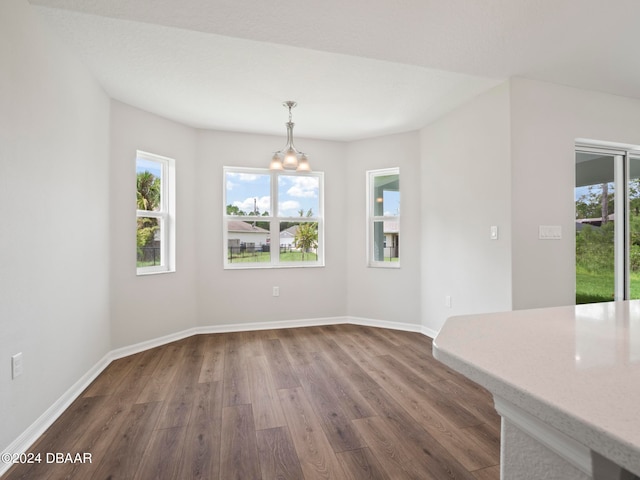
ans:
(303, 164)
(276, 163)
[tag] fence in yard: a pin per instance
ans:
(149, 256)
(247, 249)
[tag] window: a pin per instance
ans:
(607, 211)
(155, 212)
(272, 218)
(383, 218)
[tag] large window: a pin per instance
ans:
(272, 218)
(155, 211)
(607, 207)
(383, 212)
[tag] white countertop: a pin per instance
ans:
(575, 368)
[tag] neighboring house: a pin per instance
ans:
(594, 222)
(287, 236)
(246, 232)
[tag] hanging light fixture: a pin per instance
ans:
(289, 158)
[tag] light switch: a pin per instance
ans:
(494, 232)
(16, 365)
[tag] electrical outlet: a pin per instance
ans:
(276, 291)
(16, 365)
(447, 301)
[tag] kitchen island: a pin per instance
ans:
(566, 382)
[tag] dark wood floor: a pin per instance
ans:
(336, 402)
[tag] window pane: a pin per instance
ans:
(298, 241)
(149, 184)
(248, 194)
(634, 228)
(595, 204)
(248, 241)
(386, 195)
(298, 196)
(386, 241)
(149, 242)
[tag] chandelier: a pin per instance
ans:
(289, 158)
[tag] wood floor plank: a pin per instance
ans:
(424, 448)
(447, 406)
(361, 464)
(267, 411)
(348, 395)
(278, 458)
(381, 337)
(349, 368)
(282, 372)
(426, 370)
(239, 458)
(94, 438)
(189, 371)
(389, 450)
(425, 356)
(193, 345)
(158, 387)
(252, 342)
(490, 473)
(477, 402)
(122, 458)
(404, 338)
(317, 459)
(161, 458)
(139, 375)
(201, 456)
(111, 377)
(213, 360)
(485, 436)
(471, 453)
(361, 341)
(177, 408)
(236, 379)
(326, 405)
(315, 338)
(296, 344)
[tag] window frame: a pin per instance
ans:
(274, 219)
(372, 218)
(166, 214)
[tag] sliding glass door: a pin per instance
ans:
(633, 225)
(607, 207)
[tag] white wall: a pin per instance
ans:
(465, 181)
(54, 238)
(151, 306)
(245, 296)
(546, 120)
(385, 294)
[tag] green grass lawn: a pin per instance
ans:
(265, 257)
(599, 287)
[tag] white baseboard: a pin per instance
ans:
(368, 322)
(248, 327)
(31, 434)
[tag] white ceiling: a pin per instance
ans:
(357, 68)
